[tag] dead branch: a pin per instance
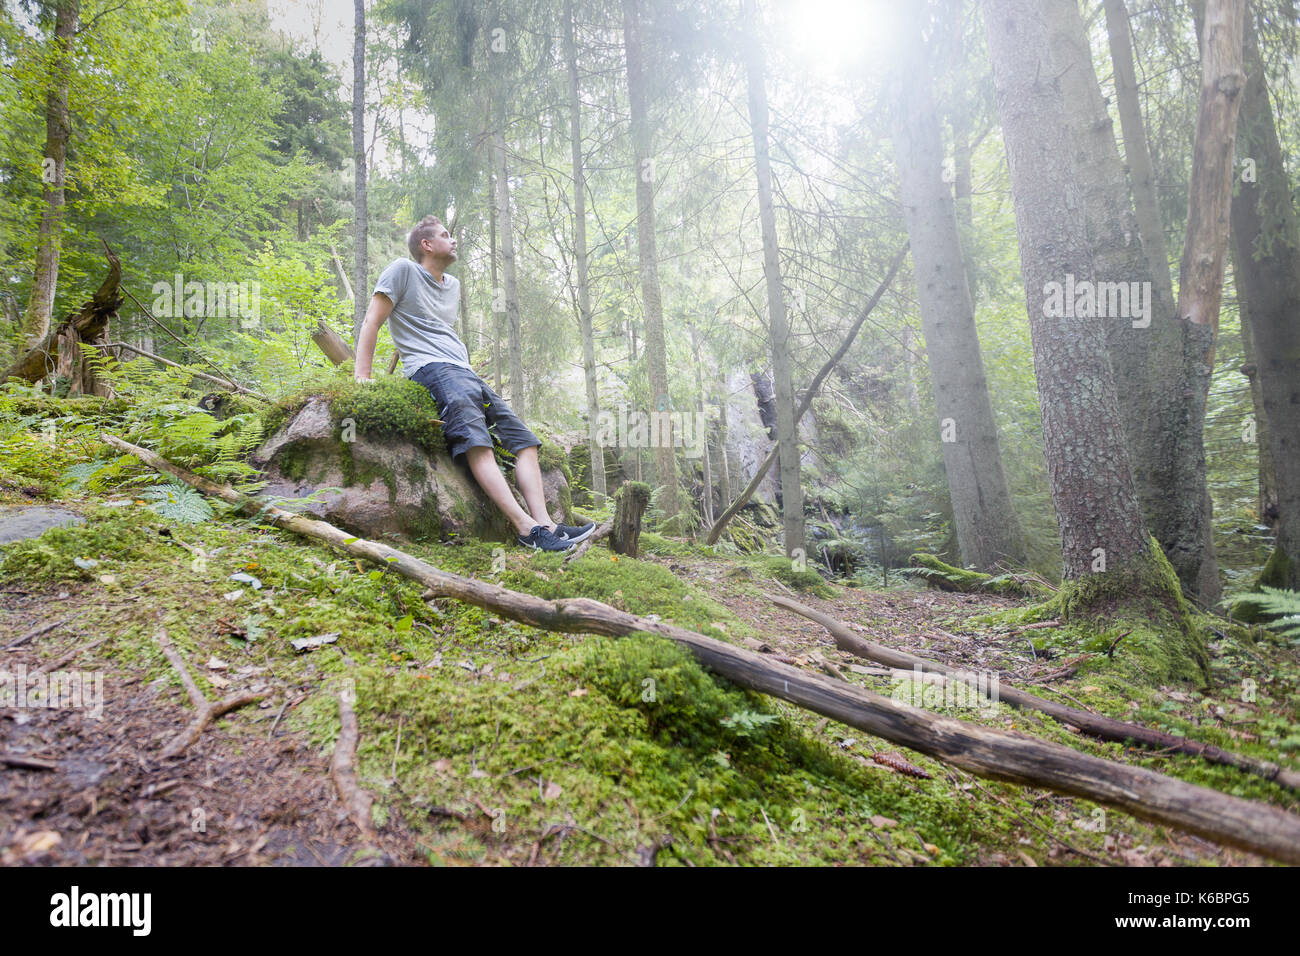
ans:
(343, 768)
(1094, 725)
(806, 401)
(207, 711)
(601, 532)
(987, 752)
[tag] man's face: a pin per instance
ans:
(442, 246)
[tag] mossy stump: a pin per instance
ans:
(630, 503)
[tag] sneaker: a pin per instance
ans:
(575, 533)
(544, 540)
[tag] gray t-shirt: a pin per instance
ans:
(423, 320)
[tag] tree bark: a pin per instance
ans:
(995, 754)
(60, 349)
(505, 219)
(58, 127)
(988, 533)
(1137, 154)
(1266, 500)
(1145, 352)
(598, 486)
(1097, 508)
(1267, 240)
(702, 423)
(787, 437)
(630, 502)
(360, 206)
(651, 298)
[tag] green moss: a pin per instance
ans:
(947, 577)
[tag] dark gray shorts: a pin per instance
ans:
(467, 405)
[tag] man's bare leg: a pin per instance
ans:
(528, 476)
(484, 468)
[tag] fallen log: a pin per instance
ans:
(995, 754)
(1094, 725)
(806, 401)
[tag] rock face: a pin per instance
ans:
(381, 486)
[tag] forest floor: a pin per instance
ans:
(488, 742)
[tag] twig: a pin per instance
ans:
(39, 631)
(343, 768)
(27, 763)
(208, 711)
(188, 346)
(595, 536)
(70, 656)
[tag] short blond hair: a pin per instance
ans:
(426, 228)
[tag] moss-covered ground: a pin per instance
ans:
(492, 742)
(486, 741)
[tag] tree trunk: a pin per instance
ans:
(724, 467)
(1137, 155)
(60, 349)
(988, 532)
(1146, 349)
(58, 126)
(651, 299)
(506, 221)
(1200, 278)
(702, 424)
(1267, 240)
(1096, 504)
(497, 295)
(1266, 501)
(598, 486)
(787, 438)
(361, 212)
(630, 502)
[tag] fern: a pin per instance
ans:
(1280, 604)
(179, 503)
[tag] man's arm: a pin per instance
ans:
(381, 306)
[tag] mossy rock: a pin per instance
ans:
(373, 460)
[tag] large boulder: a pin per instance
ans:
(375, 482)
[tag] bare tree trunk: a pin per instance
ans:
(58, 127)
(361, 212)
(1137, 155)
(1087, 461)
(724, 467)
(1266, 502)
(496, 289)
(787, 437)
(651, 298)
(988, 532)
(598, 486)
(1267, 239)
(506, 220)
(1200, 276)
(1145, 351)
(702, 425)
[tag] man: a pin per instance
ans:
(422, 301)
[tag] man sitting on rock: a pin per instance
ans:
(422, 301)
